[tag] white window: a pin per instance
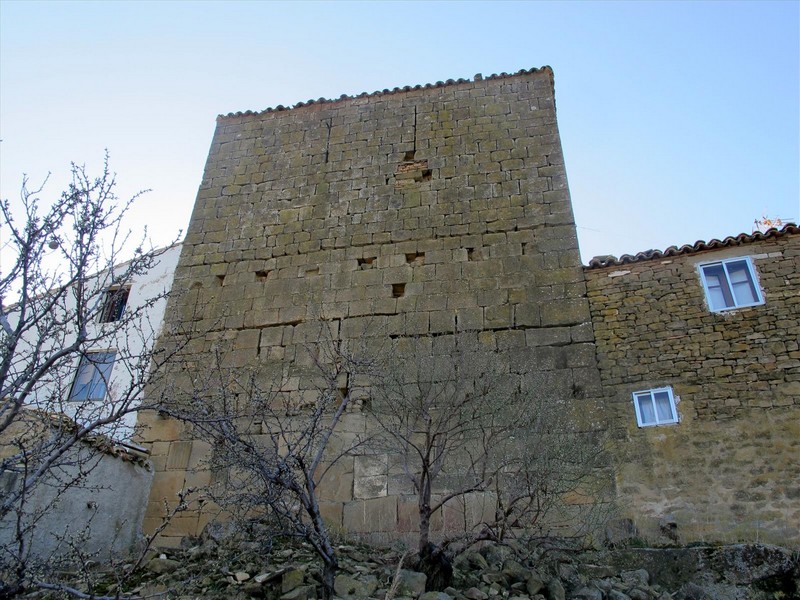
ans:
(114, 304)
(94, 373)
(655, 407)
(730, 284)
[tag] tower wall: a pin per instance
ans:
(436, 211)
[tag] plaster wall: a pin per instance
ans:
(130, 342)
(101, 513)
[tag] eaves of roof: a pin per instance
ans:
(599, 262)
(397, 90)
(125, 451)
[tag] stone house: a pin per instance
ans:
(697, 349)
(443, 209)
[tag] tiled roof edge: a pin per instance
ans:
(397, 90)
(125, 451)
(599, 262)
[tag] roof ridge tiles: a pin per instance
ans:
(599, 262)
(386, 92)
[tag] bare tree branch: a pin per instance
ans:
(465, 429)
(271, 452)
(63, 262)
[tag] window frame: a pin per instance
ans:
(115, 301)
(675, 418)
(752, 280)
(100, 377)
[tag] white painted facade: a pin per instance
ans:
(131, 339)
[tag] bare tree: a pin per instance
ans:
(75, 355)
(272, 446)
(467, 433)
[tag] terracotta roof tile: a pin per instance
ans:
(599, 262)
(397, 90)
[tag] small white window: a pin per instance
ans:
(655, 407)
(730, 284)
(91, 381)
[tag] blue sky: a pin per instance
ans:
(679, 120)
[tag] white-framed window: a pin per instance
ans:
(94, 373)
(114, 303)
(655, 407)
(730, 283)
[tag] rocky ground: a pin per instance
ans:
(287, 571)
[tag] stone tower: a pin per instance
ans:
(410, 212)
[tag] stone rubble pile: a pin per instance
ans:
(292, 572)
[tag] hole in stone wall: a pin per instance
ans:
(471, 255)
(343, 391)
(262, 275)
(398, 290)
(409, 155)
(220, 280)
(366, 403)
(366, 262)
(415, 257)
(312, 271)
(426, 175)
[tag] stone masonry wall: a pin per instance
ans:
(417, 212)
(729, 470)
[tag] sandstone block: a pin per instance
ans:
(497, 316)
(178, 457)
(527, 314)
(469, 319)
(565, 312)
(373, 515)
(442, 321)
(371, 465)
(332, 513)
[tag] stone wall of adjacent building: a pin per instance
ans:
(729, 470)
(429, 211)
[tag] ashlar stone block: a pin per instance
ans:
(373, 515)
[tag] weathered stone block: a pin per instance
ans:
(565, 312)
(370, 487)
(442, 321)
(497, 316)
(527, 314)
(374, 515)
(338, 483)
(371, 465)
(178, 457)
(469, 319)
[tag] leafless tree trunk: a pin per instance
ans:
(462, 424)
(271, 450)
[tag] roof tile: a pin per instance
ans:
(599, 262)
(385, 92)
